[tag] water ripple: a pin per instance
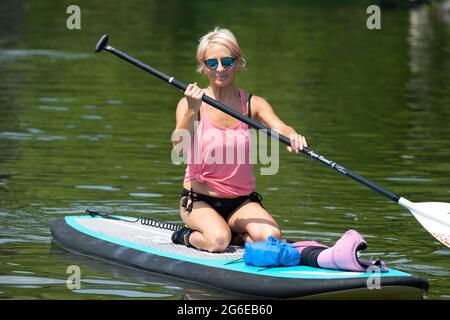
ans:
(103, 188)
(13, 54)
(93, 117)
(122, 293)
(29, 280)
(53, 108)
(29, 136)
(150, 195)
(409, 179)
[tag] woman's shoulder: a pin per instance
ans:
(259, 103)
(258, 99)
(254, 99)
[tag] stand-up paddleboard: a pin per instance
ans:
(146, 244)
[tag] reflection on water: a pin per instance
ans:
(79, 130)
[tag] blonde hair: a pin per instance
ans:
(222, 37)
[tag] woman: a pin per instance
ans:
(218, 198)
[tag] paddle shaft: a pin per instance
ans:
(254, 124)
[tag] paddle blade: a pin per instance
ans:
(435, 217)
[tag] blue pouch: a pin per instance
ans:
(271, 253)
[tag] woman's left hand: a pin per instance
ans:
(298, 142)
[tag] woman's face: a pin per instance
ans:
(221, 77)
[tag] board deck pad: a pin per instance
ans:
(152, 237)
(150, 248)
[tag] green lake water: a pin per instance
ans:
(79, 130)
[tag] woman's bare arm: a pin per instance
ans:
(264, 113)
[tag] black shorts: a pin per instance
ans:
(224, 206)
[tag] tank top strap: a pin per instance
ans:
(243, 100)
(249, 110)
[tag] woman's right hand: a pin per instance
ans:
(194, 96)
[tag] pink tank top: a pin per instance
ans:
(220, 157)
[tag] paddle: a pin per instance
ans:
(434, 216)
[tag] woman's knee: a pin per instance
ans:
(276, 233)
(217, 240)
(265, 232)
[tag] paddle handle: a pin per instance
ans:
(252, 123)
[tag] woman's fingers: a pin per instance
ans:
(194, 95)
(295, 143)
(188, 89)
(193, 91)
(298, 142)
(198, 93)
(301, 142)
